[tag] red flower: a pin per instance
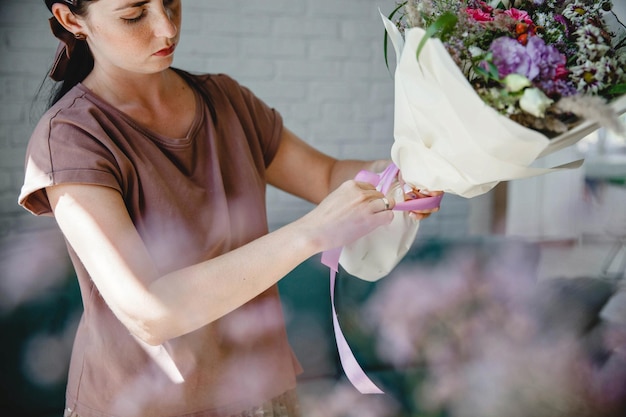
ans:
(561, 72)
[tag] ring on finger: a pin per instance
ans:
(386, 202)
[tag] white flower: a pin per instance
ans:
(590, 43)
(516, 82)
(592, 77)
(506, 3)
(476, 51)
(535, 102)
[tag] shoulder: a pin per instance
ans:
(76, 128)
(74, 101)
(72, 143)
(210, 79)
(219, 85)
(72, 131)
(230, 96)
(75, 110)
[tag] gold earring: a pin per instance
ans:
(80, 36)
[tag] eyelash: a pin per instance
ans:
(166, 3)
(135, 19)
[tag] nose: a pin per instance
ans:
(166, 25)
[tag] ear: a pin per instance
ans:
(67, 19)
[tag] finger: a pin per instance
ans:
(428, 193)
(365, 185)
(383, 203)
(428, 211)
(422, 214)
(425, 212)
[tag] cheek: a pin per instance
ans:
(124, 39)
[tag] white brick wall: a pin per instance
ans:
(319, 62)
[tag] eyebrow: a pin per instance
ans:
(130, 6)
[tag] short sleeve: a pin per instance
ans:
(62, 150)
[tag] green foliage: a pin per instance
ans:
(440, 27)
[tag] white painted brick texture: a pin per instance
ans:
(319, 62)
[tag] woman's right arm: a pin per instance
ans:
(156, 308)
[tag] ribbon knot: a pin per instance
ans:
(64, 51)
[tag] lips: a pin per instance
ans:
(166, 51)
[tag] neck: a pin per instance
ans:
(162, 102)
(141, 89)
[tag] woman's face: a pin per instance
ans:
(133, 35)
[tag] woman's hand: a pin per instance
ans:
(410, 193)
(348, 213)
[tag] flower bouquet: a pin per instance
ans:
(485, 89)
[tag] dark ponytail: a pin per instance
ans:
(80, 63)
(79, 66)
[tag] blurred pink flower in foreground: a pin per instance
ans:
(496, 343)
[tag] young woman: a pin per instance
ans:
(157, 179)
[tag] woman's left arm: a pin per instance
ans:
(301, 170)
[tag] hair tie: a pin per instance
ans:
(64, 51)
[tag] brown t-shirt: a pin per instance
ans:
(191, 199)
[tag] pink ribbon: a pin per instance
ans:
(330, 258)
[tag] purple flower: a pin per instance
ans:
(559, 18)
(535, 60)
(557, 88)
(511, 57)
(546, 57)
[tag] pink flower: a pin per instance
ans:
(483, 14)
(479, 15)
(519, 15)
